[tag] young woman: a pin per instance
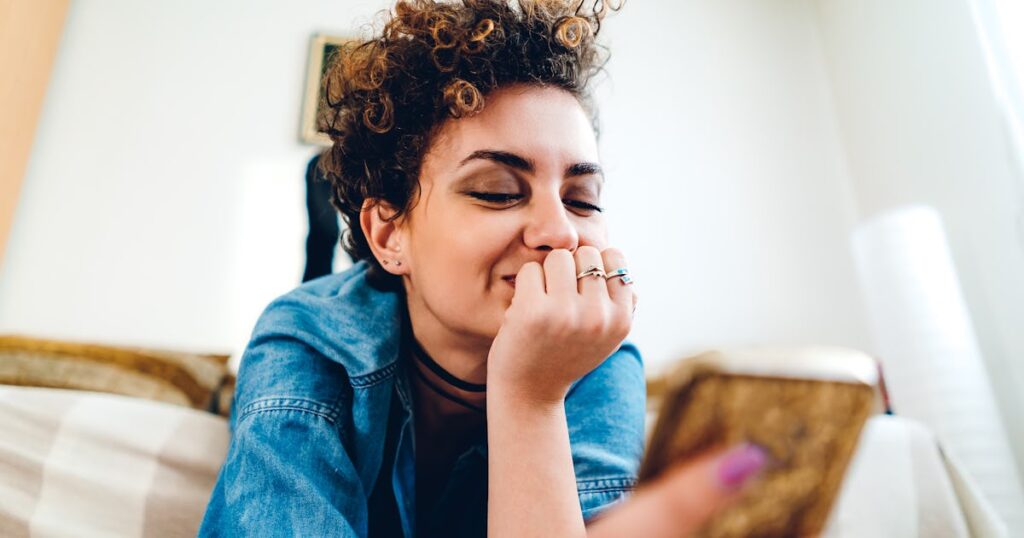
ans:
(468, 375)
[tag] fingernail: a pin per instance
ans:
(740, 464)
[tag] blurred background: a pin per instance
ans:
(838, 172)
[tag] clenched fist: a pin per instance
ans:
(558, 328)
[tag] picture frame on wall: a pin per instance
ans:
(321, 47)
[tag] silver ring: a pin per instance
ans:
(593, 270)
(622, 273)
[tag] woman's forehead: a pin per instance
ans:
(543, 126)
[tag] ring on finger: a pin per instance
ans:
(592, 270)
(622, 273)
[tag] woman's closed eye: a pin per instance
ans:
(507, 199)
(582, 206)
(501, 198)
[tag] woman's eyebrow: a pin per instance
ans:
(584, 169)
(502, 157)
(526, 165)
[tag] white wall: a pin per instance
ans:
(920, 125)
(728, 181)
(163, 205)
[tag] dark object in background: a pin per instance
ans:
(324, 231)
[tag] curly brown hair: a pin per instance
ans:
(383, 99)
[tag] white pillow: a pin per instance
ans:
(78, 463)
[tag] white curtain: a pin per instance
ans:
(1000, 25)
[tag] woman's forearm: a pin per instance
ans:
(531, 481)
(559, 327)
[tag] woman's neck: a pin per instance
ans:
(459, 355)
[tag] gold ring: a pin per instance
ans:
(593, 270)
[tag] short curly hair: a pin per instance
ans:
(383, 99)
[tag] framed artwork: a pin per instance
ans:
(321, 47)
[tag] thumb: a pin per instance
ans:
(684, 497)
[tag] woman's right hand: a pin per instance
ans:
(684, 498)
(558, 328)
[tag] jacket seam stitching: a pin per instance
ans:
(600, 485)
(373, 378)
(325, 416)
(605, 490)
(311, 407)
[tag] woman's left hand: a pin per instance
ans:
(558, 328)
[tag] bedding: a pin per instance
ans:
(78, 463)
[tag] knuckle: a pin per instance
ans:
(589, 328)
(554, 322)
(622, 324)
(543, 316)
(594, 326)
(562, 328)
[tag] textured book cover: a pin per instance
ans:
(806, 407)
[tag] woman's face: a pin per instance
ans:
(499, 189)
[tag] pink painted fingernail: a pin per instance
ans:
(740, 464)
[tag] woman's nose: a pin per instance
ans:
(549, 226)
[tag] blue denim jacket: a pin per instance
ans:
(321, 387)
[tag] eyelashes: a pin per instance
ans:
(583, 205)
(506, 199)
(496, 197)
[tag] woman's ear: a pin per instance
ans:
(384, 234)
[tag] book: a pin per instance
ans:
(806, 407)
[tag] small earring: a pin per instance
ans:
(398, 262)
(385, 262)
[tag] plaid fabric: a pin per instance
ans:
(77, 463)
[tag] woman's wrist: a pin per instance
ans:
(532, 486)
(524, 397)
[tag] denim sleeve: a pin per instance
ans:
(605, 411)
(289, 470)
(286, 474)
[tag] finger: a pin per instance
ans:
(592, 286)
(684, 498)
(529, 280)
(620, 288)
(559, 273)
